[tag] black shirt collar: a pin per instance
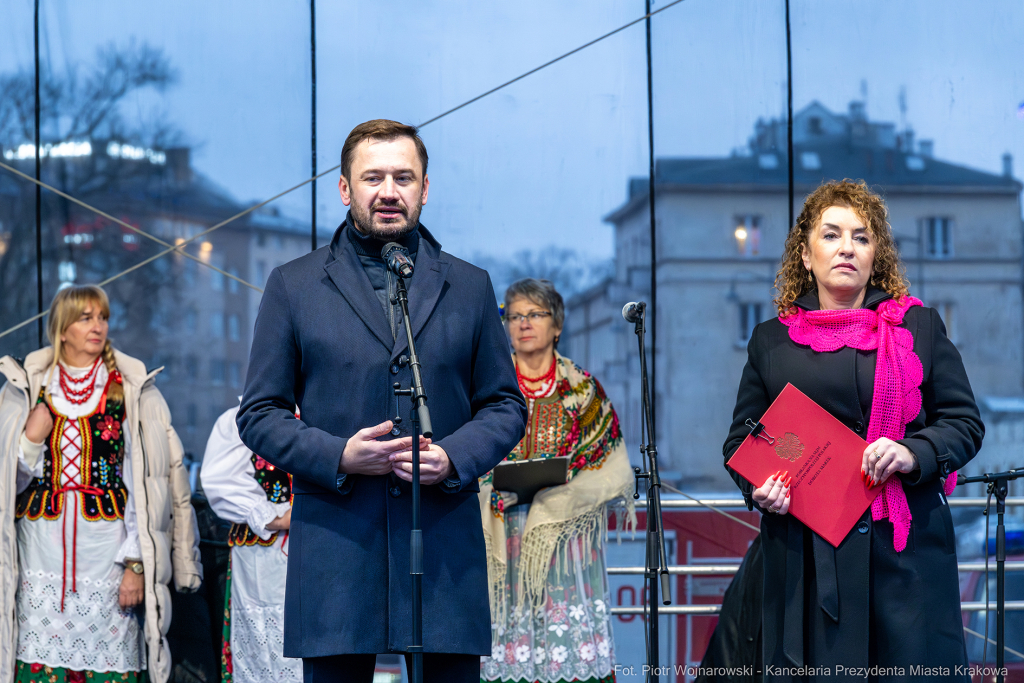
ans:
(873, 297)
(370, 246)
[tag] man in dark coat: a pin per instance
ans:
(329, 340)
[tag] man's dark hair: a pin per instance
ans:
(383, 130)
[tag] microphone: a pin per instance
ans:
(633, 311)
(397, 259)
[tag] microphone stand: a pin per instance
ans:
(656, 558)
(997, 486)
(420, 425)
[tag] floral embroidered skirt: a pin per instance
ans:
(91, 633)
(256, 616)
(37, 673)
(569, 636)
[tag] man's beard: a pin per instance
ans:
(387, 231)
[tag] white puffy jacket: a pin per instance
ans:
(168, 534)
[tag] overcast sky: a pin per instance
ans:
(541, 162)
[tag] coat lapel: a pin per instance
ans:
(425, 289)
(346, 272)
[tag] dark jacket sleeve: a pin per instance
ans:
(498, 408)
(751, 402)
(266, 419)
(953, 428)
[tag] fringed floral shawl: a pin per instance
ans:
(599, 472)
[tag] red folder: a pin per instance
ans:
(822, 455)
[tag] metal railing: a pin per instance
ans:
(727, 569)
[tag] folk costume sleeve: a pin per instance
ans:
(228, 477)
(130, 548)
(30, 462)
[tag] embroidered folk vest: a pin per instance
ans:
(95, 472)
(277, 484)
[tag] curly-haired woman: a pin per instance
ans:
(546, 561)
(102, 518)
(851, 337)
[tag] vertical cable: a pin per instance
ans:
(651, 584)
(789, 115)
(312, 117)
(653, 310)
(39, 189)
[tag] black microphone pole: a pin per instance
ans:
(997, 486)
(420, 425)
(656, 557)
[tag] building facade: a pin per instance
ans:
(173, 313)
(721, 225)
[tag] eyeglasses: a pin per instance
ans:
(534, 317)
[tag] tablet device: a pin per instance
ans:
(526, 477)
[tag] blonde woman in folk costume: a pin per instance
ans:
(546, 560)
(95, 509)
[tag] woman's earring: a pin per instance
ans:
(810, 278)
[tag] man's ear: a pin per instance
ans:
(426, 187)
(344, 190)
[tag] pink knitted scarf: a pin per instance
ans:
(898, 377)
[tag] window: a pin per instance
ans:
(750, 316)
(938, 237)
(234, 332)
(217, 279)
(810, 161)
(118, 316)
(191, 320)
(947, 311)
(191, 416)
(233, 284)
(261, 238)
(814, 125)
(217, 372)
(748, 234)
(234, 374)
(189, 272)
(217, 325)
(192, 367)
(261, 272)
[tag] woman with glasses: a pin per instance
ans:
(546, 560)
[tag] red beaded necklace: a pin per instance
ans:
(543, 379)
(73, 388)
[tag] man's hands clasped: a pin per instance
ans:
(364, 454)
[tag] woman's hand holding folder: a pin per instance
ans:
(773, 495)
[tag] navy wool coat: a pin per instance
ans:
(322, 342)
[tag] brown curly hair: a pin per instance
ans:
(888, 274)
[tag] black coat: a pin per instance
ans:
(322, 342)
(863, 604)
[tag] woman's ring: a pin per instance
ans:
(878, 456)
